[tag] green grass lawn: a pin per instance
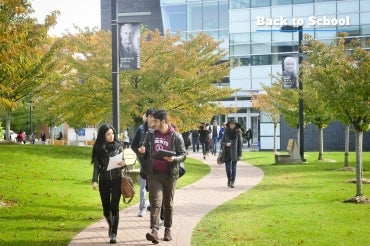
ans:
(48, 194)
(50, 199)
(295, 204)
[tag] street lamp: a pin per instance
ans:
(115, 62)
(299, 29)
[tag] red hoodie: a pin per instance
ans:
(162, 142)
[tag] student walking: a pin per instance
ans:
(137, 142)
(232, 142)
(108, 181)
(162, 172)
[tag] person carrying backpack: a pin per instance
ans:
(137, 142)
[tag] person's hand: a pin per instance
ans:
(168, 158)
(95, 185)
(228, 144)
(121, 163)
(142, 150)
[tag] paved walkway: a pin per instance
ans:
(191, 204)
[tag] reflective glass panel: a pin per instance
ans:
(210, 16)
(260, 3)
(285, 11)
(175, 18)
(223, 15)
(325, 8)
(240, 38)
(239, 4)
(258, 37)
(264, 48)
(365, 18)
(365, 5)
(347, 6)
(194, 17)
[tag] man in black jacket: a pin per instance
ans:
(137, 142)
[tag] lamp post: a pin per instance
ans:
(115, 70)
(299, 29)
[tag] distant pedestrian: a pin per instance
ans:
(249, 136)
(187, 142)
(195, 140)
(204, 138)
(43, 137)
(32, 137)
(232, 142)
(126, 139)
(215, 130)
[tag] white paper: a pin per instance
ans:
(113, 161)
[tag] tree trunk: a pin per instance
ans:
(346, 147)
(321, 143)
(275, 125)
(359, 138)
(7, 125)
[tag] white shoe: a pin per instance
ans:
(142, 213)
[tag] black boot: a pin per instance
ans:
(115, 220)
(109, 221)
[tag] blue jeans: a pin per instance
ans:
(230, 170)
(142, 205)
(214, 145)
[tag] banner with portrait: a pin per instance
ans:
(290, 72)
(129, 46)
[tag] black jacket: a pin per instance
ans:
(176, 144)
(101, 162)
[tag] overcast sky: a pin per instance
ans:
(79, 12)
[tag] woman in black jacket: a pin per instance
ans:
(232, 142)
(109, 181)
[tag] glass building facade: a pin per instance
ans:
(250, 30)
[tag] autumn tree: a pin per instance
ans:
(340, 73)
(27, 55)
(176, 75)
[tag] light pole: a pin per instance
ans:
(299, 29)
(115, 75)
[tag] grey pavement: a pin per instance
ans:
(191, 203)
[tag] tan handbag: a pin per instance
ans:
(127, 186)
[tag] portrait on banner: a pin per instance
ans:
(290, 72)
(129, 48)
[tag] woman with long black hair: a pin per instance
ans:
(108, 181)
(232, 142)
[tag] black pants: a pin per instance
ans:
(110, 194)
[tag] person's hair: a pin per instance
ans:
(160, 115)
(99, 145)
(149, 111)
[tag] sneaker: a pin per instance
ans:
(141, 213)
(232, 184)
(167, 234)
(228, 183)
(152, 236)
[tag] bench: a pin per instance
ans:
(57, 142)
(131, 160)
(293, 155)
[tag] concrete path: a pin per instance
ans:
(191, 204)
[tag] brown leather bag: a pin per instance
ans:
(127, 186)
